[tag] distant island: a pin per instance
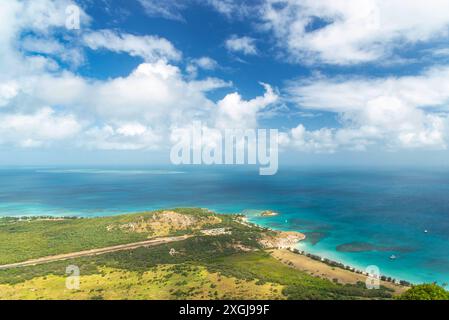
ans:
(269, 213)
(169, 254)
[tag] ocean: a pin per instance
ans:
(357, 216)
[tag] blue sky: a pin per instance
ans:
(356, 81)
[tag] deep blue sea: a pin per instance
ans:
(357, 216)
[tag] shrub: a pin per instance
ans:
(425, 292)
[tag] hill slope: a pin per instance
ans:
(223, 259)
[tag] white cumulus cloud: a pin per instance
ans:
(245, 45)
(396, 112)
(353, 31)
(150, 48)
(237, 113)
(37, 129)
(126, 136)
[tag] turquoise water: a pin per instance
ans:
(357, 216)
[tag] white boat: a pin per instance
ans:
(393, 257)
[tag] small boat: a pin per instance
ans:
(426, 231)
(393, 257)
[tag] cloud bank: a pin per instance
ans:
(45, 101)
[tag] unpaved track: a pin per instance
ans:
(95, 252)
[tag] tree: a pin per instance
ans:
(425, 292)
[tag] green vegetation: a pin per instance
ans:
(226, 266)
(25, 239)
(425, 292)
(297, 285)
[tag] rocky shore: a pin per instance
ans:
(282, 240)
(289, 239)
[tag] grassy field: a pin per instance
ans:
(25, 239)
(161, 282)
(228, 266)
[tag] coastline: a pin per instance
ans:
(221, 256)
(322, 266)
(328, 219)
(294, 245)
(320, 269)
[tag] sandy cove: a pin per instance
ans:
(282, 245)
(322, 270)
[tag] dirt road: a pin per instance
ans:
(94, 252)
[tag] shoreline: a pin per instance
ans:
(317, 268)
(391, 281)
